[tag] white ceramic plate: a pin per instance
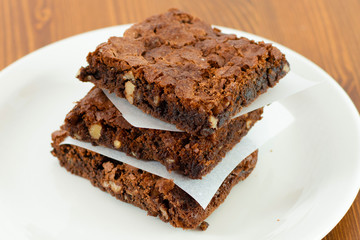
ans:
(305, 180)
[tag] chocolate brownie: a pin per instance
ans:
(95, 119)
(156, 195)
(181, 70)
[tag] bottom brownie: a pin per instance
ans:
(157, 195)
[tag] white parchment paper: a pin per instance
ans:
(289, 85)
(275, 119)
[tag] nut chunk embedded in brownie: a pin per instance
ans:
(95, 119)
(181, 70)
(156, 195)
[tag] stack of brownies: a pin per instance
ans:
(182, 71)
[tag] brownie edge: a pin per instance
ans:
(156, 195)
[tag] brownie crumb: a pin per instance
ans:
(203, 226)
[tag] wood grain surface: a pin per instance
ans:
(325, 31)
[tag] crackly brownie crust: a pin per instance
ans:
(156, 195)
(95, 119)
(179, 69)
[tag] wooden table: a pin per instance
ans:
(325, 31)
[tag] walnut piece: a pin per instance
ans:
(213, 121)
(169, 160)
(116, 188)
(248, 124)
(113, 186)
(77, 136)
(105, 184)
(95, 131)
(129, 91)
(117, 144)
(156, 100)
(164, 212)
(129, 76)
(89, 78)
(286, 68)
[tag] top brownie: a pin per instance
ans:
(181, 70)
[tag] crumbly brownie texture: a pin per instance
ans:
(158, 196)
(179, 69)
(95, 119)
